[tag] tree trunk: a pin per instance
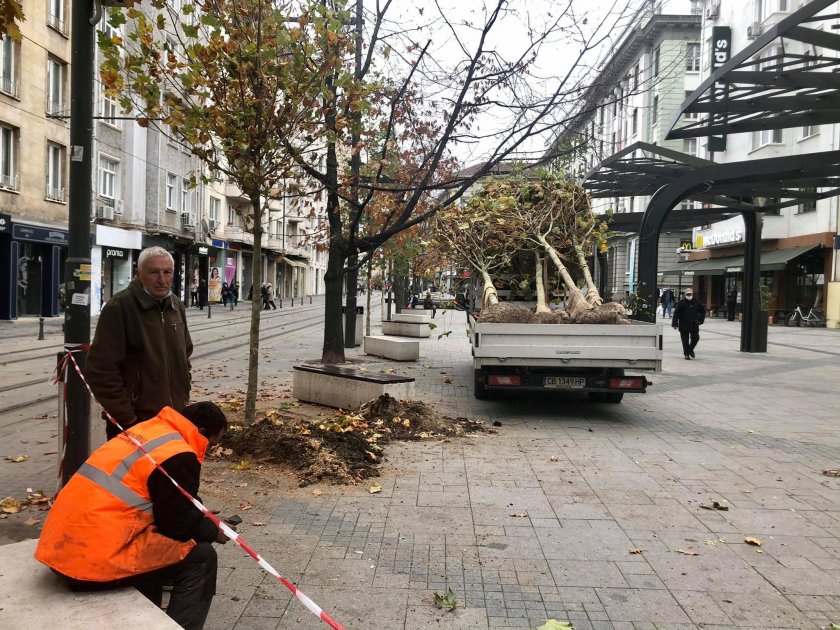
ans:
(256, 313)
(593, 296)
(542, 303)
(368, 286)
(333, 351)
(351, 283)
(488, 295)
(576, 302)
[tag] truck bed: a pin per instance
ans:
(637, 346)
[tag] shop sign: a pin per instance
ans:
(202, 250)
(686, 246)
(721, 47)
(5, 223)
(720, 238)
(219, 244)
(115, 252)
(734, 269)
(39, 234)
(688, 273)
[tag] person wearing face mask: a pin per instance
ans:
(688, 315)
(139, 361)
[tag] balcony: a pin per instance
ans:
(57, 23)
(234, 193)
(9, 182)
(54, 194)
(9, 86)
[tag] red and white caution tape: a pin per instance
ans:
(228, 531)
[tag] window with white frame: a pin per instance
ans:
(656, 63)
(55, 172)
(696, 7)
(55, 15)
(690, 115)
(689, 146)
(107, 107)
(185, 196)
(171, 185)
(215, 209)
(654, 113)
(109, 170)
(810, 130)
(8, 66)
(55, 86)
(692, 57)
(765, 137)
(8, 162)
(807, 205)
(231, 215)
(766, 8)
(635, 120)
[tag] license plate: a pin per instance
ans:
(564, 382)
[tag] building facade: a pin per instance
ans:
(633, 98)
(798, 259)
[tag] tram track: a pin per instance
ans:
(284, 327)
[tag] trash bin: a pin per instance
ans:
(360, 323)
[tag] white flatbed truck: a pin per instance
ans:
(599, 359)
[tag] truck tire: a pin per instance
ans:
(613, 397)
(481, 391)
(596, 397)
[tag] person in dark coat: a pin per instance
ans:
(731, 304)
(429, 304)
(688, 315)
(667, 300)
(234, 294)
(202, 294)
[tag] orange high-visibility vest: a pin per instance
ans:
(100, 527)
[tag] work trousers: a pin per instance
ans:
(193, 581)
(689, 339)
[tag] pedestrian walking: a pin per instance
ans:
(269, 297)
(202, 294)
(667, 301)
(234, 294)
(689, 314)
(120, 522)
(139, 361)
(731, 304)
(225, 293)
(264, 295)
(194, 293)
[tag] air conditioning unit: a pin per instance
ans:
(118, 206)
(104, 212)
(187, 221)
(213, 225)
(754, 30)
(714, 9)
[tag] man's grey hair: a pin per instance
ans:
(153, 252)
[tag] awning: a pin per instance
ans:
(772, 260)
(296, 263)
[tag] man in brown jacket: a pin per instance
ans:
(139, 361)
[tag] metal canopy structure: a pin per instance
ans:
(796, 87)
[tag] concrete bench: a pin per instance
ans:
(392, 348)
(406, 329)
(412, 318)
(346, 388)
(32, 596)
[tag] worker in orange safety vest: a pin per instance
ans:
(120, 522)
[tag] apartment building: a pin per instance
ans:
(798, 259)
(148, 190)
(633, 98)
(34, 136)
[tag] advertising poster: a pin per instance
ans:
(230, 269)
(214, 287)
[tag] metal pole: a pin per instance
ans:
(78, 268)
(41, 328)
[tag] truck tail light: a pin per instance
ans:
(512, 380)
(628, 382)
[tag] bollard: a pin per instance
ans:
(293, 300)
(310, 299)
(41, 328)
(208, 310)
(281, 302)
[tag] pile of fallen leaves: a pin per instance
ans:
(344, 448)
(35, 500)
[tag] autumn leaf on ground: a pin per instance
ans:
(520, 515)
(245, 505)
(687, 552)
(553, 624)
(715, 506)
(317, 492)
(18, 459)
(375, 488)
(636, 550)
(448, 601)
(447, 380)
(241, 465)
(32, 521)
(259, 524)
(832, 472)
(752, 540)
(446, 334)
(10, 505)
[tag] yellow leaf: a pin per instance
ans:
(687, 552)
(317, 492)
(751, 540)
(10, 505)
(18, 459)
(636, 550)
(241, 465)
(375, 488)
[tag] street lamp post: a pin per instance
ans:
(78, 266)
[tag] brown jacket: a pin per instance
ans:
(139, 361)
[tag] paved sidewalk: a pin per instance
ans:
(538, 520)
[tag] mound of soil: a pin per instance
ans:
(345, 448)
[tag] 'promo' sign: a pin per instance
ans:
(721, 49)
